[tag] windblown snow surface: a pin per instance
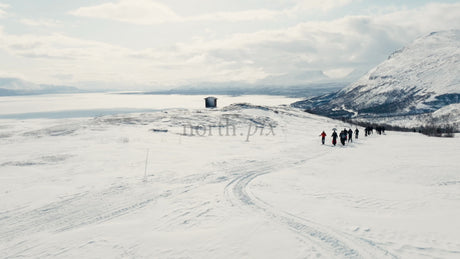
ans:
(138, 186)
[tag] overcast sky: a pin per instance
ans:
(148, 44)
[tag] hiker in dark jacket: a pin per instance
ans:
(350, 135)
(356, 133)
(343, 136)
(334, 138)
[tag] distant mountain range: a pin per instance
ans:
(313, 89)
(16, 86)
(408, 89)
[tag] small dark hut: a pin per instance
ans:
(210, 102)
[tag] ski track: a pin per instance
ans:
(336, 243)
(80, 210)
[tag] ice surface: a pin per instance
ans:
(96, 104)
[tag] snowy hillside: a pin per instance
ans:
(420, 78)
(242, 181)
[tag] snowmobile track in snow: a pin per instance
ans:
(80, 210)
(336, 243)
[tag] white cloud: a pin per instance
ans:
(40, 22)
(335, 47)
(2, 10)
(147, 12)
(338, 72)
(55, 46)
(431, 17)
(352, 41)
(82, 60)
(132, 11)
(248, 15)
(324, 5)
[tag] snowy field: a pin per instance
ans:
(186, 182)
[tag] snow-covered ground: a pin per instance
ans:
(213, 187)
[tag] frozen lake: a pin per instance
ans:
(100, 104)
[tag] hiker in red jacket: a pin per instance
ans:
(323, 137)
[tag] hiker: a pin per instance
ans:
(343, 136)
(356, 133)
(323, 136)
(350, 135)
(369, 130)
(334, 138)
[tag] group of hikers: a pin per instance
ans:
(369, 130)
(347, 135)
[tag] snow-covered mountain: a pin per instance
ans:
(15, 86)
(418, 79)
